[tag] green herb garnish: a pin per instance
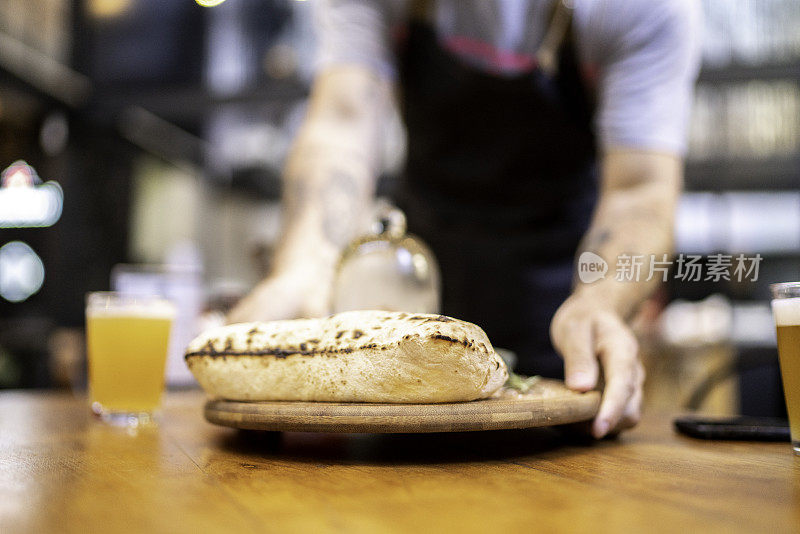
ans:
(523, 384)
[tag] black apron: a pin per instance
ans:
(500, 180)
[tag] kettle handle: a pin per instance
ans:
(390, 221)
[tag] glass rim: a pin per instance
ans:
(127, 295)
(121, 300)
(783, 290)
(154, 268)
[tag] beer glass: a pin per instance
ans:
(786, 310)
(127, 340)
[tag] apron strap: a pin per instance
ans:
(557, 33)
(421, 9)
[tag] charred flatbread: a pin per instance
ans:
(357, 356)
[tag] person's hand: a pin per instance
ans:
(589, 336)
(289, 295)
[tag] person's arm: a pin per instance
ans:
(329, 181)
(647, 53)
(634, 216)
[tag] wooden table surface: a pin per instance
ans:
(62, 471)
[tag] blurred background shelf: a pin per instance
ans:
(742, 72)
(188, 103)
(745, 174)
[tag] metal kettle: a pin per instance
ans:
(387, 269)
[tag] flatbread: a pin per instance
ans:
(357, 356)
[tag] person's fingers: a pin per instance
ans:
(239, 313)
(617, 350)
(633, 410)
(245, 311)
(267, 302)
(281, 298)
(573, 340)
(316, 304)
(580, 361)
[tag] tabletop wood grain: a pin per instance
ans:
(62, 471)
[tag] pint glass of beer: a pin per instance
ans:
(786, 310)
(127, 339)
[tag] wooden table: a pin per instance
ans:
(61, 471)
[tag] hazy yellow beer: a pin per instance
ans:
(127, 341)
(786, 310)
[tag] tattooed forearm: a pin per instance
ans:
(295, 196)
(335, 197)
(329, 177)
(633, 218)
(339, 220)
(595, 239)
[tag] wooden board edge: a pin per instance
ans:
(579, 409)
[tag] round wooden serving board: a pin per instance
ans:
(548, 403)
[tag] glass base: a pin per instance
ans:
(123, 418)
(796, 447)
